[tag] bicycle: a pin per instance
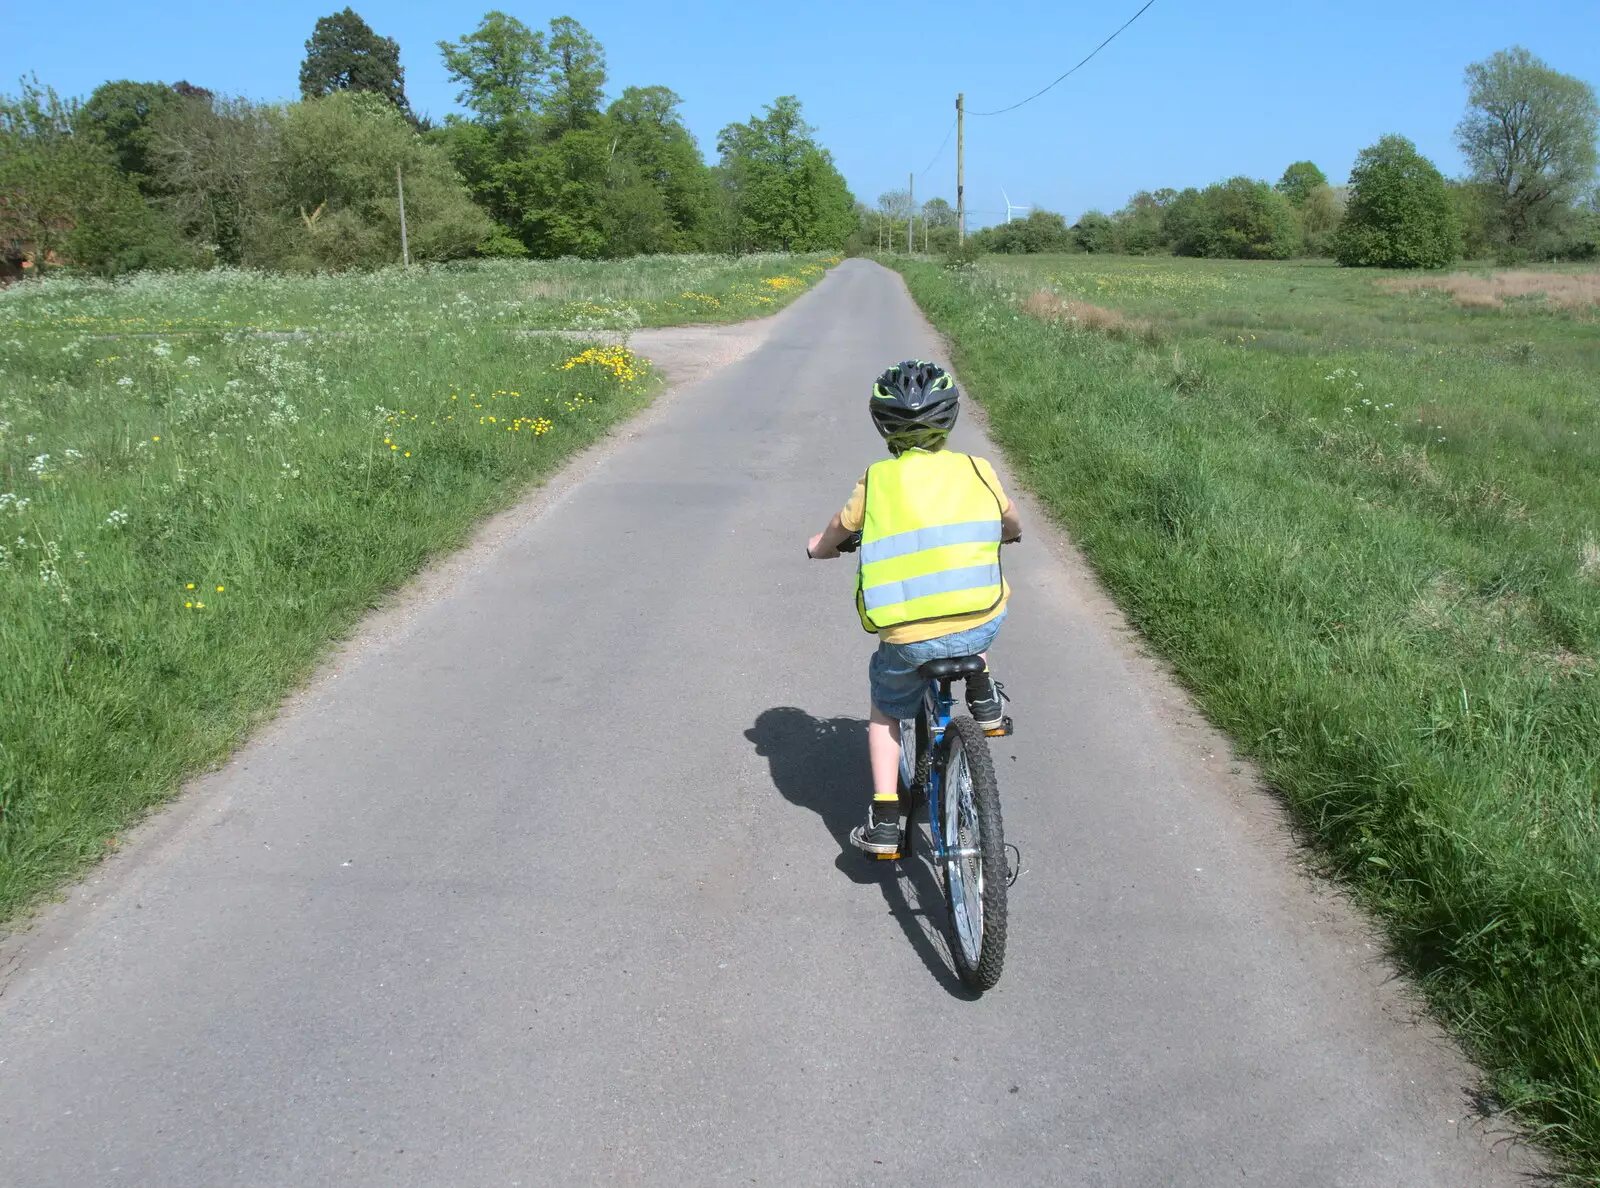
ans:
(950, 772)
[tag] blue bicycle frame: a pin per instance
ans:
(934, 717)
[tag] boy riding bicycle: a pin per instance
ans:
(929, 580)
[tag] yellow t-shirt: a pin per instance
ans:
(854, 515)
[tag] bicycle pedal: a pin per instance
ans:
(1002, 730)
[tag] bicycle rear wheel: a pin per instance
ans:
(975, 856)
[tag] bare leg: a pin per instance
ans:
(883, 746)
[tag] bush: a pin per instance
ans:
(336, 205)
(1041, 231)
(1238, 219)
(1320, 214)
(1095, 232)
(1400, 213)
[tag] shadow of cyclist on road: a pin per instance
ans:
(821, 764)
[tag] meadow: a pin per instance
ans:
(206, 478)
(1359, 514)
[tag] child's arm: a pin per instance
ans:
(825, 545)
(1010, 523)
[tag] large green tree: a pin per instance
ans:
(1299, 180)
(122, 114)
(1239, 219)
(655, 148)
(344, 54)
(62, 197)
(1529, 135)
(213, 162)
(500, 66)
(577, 77)
(782, 190)
(1400, 213)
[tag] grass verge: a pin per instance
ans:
(1364, 527)
(194, 502)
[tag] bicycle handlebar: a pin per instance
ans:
(853, 542)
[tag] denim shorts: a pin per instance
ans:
(896, 687)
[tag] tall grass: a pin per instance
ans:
(1362, 526)
(189, 514)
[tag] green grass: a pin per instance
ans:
(1364, 527)
(194, 503)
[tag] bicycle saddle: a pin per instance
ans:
(946, 670)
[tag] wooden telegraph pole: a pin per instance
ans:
(961, 189)
(911, 214)
(405, 248)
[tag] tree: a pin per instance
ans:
(1529, 134)
(1237, 219)
(1319, 213)
(782, 190)
(1299, 180)
(1041, 231)
(499, 66)
(332, 193)
(344, 54)
(558, 191)
(1400, 214)
(896, 209)
(652, 141)
(62, 197)
(121, 114)
(1140, 224)
(938, 213)
(577, 76)
(212, 164)
(1095, 232)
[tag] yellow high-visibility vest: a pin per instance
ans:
(930, 541)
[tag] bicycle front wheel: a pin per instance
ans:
(975, 856)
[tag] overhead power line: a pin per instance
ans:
(942, 145)
(1074, 70)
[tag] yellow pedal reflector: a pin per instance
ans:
(887, 857)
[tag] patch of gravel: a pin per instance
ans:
(684, 354)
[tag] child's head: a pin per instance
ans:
(915, 405)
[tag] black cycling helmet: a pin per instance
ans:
(915, 405)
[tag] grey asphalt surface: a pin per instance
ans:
(548, 885)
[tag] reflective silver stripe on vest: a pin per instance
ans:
(974, 577)
(921, 539)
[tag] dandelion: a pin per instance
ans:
(190, 586)
(157, 437)
(219, 589)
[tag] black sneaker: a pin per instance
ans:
(881, 833)
(984, 698)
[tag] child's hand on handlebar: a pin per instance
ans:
(816, 552)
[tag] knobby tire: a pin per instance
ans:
(964, 735)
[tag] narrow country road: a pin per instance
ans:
(548, 885)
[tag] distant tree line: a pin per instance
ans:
(147, 175)
(1529, 138)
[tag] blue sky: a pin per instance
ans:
(1192, 92)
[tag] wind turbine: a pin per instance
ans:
(1010, 207)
